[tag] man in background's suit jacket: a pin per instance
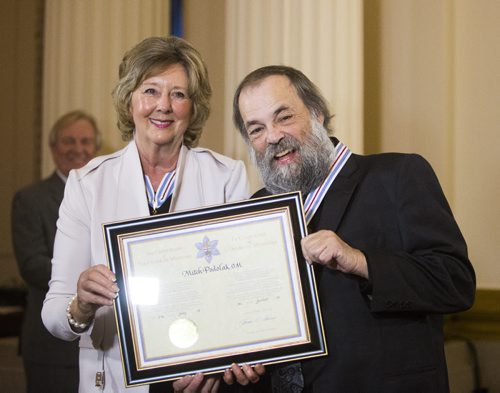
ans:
(51, 364)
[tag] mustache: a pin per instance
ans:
(313, 159)
(286, 143)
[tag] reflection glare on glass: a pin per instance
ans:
(144, 291)
(183, 333)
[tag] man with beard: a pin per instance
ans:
(388, 256)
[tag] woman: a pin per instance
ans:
(162, 102)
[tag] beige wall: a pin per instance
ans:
(476, 118)
(205, 28)
(432, 85)
(20, 78)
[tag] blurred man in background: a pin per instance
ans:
(51, 364)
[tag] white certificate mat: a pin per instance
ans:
(202, 289)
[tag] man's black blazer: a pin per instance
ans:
(35, 210)
(385, 335)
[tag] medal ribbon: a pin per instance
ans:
(165, 189)
(315, 197)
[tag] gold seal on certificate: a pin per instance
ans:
(183, 333)
(205, 288)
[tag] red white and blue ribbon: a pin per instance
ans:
(165, 189)
(315, 197)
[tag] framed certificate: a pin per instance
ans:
(205, 288)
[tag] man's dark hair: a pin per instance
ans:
(306, 90)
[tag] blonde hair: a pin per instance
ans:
(153, 55)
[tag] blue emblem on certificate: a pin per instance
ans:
(207, 249)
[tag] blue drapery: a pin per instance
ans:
(176, 20)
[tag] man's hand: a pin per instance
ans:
(244, 374)
(197, 384)
(326, 248)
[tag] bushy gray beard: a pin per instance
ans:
(315, 156)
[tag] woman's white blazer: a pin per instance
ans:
(111, 188)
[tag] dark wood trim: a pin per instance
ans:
(481, 322)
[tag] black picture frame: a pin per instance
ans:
(271, 225)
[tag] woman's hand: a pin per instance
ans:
(96, 287)
(198, 383)
(244, 375)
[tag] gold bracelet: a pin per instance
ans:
(72, 321)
